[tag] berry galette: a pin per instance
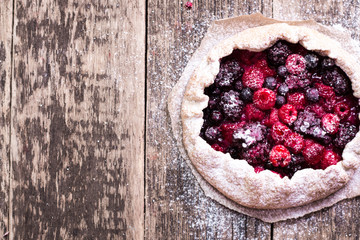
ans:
(271, 116)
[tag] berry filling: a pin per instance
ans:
(283, 109)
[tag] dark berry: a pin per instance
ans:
(249, 134)
(338, 80)
(342, 109)
(282, 71)
(313, 154)
(253, 78)
(238, 85)
(297, 100)
(345, 134)
(270, 83)
(216, 116)
(253, 113)
(295, 64)
(231, 104)
(312, 94)
(279, 132)
(312, 60)
(287, 114)
(278, 53)
(295, 142)
(227, 131)
(283, 89)
(280, 100)
(257, 154)
(318, 133)
(330, 123)
(305, 120)
(246, 95)
(228, 73)
(327, 63)
(298, 81)
(212, 133)
(280, 156)
(329, 158)
(264, 99)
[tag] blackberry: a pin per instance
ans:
(249, 134)
(212, 133)
(278, 53)
(246, 94)
(338, 80)
(312, 94)
(258, 154)
(231, 104)
(228, 73)
(270, 83)
(216, 116)
(305, 121)
(283, 89)
(282, 71)
(280, 100)
(312, 60)
(345, 134)
(327, 63)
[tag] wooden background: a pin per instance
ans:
(86, 150)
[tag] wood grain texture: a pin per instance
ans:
(6, 9)
(176, 207)
(78, 120)
(341, 220)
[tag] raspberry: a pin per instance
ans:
(253, 113)
(330, 123)
(231, 104)
(294, 142)
(318, 110)
(329, 158)
(342, 110)
(273, 117)
(287, 114)
(258, 169)
(267, 71)
(253, 78)
(188, 5)
(295, 64)
(278, 53)
(312, 60)
(297, 100)
(313, 153)
(217, 147)
(325, 91)
(280, 156)
(308, 142)
(264, 99)
(279, 132)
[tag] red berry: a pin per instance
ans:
(279, 132)
(308, 142)
(297, 100)
(329, 158)
(330, 123)
(267, 71)
(324, 90)
(217, 147)
(253, 78)
(342, 110)
(313, 153)
(227, 131)
(295, 64)
(264, 99)
(294, 142)
(287, 114)
(253, 113)
(272, 118)
(188, 5)
(280, 156)
(258, 169)
(318, 110)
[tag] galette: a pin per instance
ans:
(270, 117)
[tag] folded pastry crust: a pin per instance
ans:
(235, 178)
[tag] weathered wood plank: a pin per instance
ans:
(78, 120)
(6, 14)
(340, 221)
(176, 207)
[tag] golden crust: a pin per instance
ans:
(236, 179)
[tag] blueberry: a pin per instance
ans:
(212, 133)
(312, 94)
(216, 116)
(280, 100)
(283, 89)
(246, 94)
(312, 60)
(327, 63)
(270, 83)
(282, 71)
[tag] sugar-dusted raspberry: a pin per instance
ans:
(342, 109)
(308, 142)
(264, 99)
(253, 78)
(295, 64)
(279, 132)
(258, 169)
(329, 158)
(280, 156)
(263, 65)
(330, 123)
(324, 90)
(317, 109)
(217, 147)
(252, 113)
(295, 142)
(297, 99)
(313, 153)
(287, 114)
(273, 117)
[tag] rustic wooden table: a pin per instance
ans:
(86, 147)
